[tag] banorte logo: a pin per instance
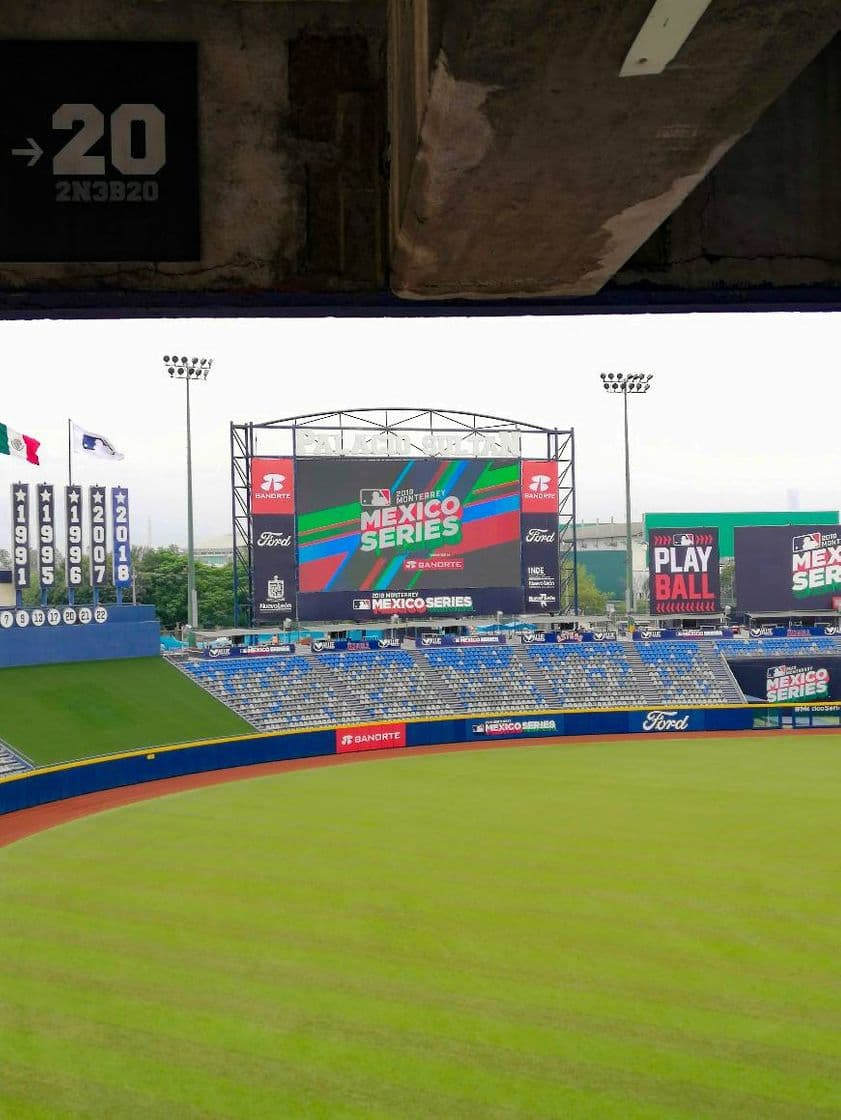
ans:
(272, 486)
(373, 737)
(539, 486)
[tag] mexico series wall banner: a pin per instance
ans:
(683, 571)
(787, 567)
(787, 680)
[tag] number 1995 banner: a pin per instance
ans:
(683, 569)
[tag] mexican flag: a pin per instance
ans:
(13, 443)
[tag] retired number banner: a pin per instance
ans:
(98, 536)
(73, 543)
(683, 571)
(20, 534)
(121, 545)
(46, 536)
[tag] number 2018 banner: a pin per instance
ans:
(121, 545)
(683, 570)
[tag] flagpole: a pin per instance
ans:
(69, 453)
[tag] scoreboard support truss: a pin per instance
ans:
(397, 433)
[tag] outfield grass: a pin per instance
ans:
(58, 712)
(609, 931)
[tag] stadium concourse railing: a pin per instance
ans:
(94, 775)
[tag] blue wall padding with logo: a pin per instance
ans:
(41, 787)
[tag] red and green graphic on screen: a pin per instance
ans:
(400, 524)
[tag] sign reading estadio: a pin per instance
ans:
(372, 737)
(272, 486)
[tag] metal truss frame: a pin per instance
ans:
(281, 438)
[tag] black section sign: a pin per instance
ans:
(98, 151)
(20, 534)
(273, 566)
(98, 536)
(73, 545)
(46, 536)
(541, 575)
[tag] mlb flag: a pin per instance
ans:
(89, 443)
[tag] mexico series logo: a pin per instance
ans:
(816, 563)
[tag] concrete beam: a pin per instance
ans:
(539, 170)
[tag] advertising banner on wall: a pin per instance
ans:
(787, 568)
(788, 680)
(683, 571)
(273, 538)
(20, 535)
(408, 537)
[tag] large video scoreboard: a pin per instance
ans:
(370, 538)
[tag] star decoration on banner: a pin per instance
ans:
(75, 496)
(20, 495)
(98, 497)
(44, 493)
(120, 497)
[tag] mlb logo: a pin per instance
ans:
(374, 498)
(807, 542)
(683, 539)
(361, 604)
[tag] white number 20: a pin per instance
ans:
(74, 157)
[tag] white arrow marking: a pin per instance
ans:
(35, 151)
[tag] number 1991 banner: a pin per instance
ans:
(683, 569)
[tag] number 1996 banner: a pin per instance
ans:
(683, 569)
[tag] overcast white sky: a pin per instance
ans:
(743, 413)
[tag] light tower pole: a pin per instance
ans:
(189, 370)
(626, 383)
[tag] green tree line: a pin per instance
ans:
(160, 578)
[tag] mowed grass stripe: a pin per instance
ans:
(54, 713)
(636, 930)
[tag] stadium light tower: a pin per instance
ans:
(189, 370)
(626, 383)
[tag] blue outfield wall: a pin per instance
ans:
(55, 783)
(131, 631)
